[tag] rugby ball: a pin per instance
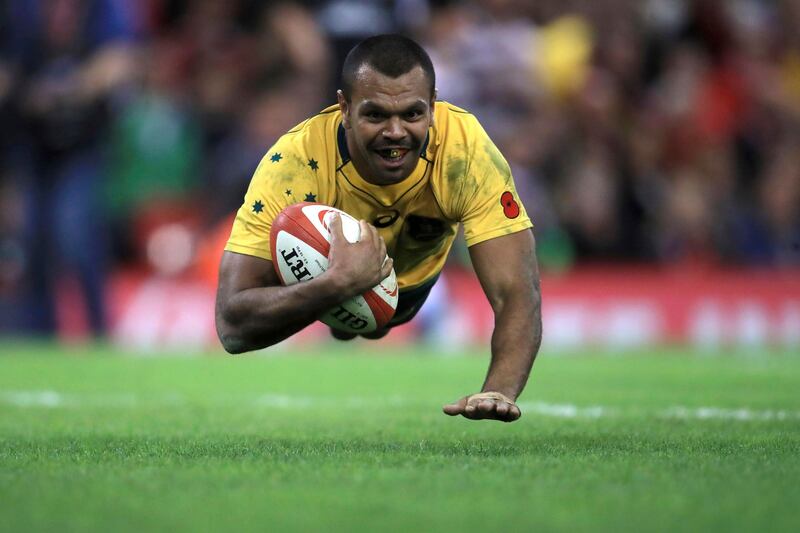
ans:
(300, 241)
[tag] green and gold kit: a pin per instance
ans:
(461, 177)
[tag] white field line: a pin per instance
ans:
(49, 399)
(566, 410)
(719, 413)
(53, 399)
(285, 401)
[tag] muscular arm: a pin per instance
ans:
(254, 310)
(509, 275)
(508, 272)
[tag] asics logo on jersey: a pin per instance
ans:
(385, 220)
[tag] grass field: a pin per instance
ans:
(354, 441)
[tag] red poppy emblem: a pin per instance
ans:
(510, 206)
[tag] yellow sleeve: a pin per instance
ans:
(488, 204)
(281, 179)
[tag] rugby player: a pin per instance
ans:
(411, 169)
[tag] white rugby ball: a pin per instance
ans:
(300, 242)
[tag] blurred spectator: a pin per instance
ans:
(230, 165)
(295, 53)
(654, 130)
(346, 22)
(770, 233)
(154, 143)
(70, 55)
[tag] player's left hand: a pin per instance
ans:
(485, 405)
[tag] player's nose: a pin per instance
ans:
(394, 129)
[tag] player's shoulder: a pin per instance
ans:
(455, 126)
(447, 114)
(445, 108)
(465, 161)
(317, 122)
(311, 144)
(315, 129)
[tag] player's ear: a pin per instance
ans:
(344, 107)
(433, 104)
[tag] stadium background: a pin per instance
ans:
(654, 143)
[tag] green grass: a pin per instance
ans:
(336, 441)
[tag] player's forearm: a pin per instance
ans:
(260, 317)
(515, 343)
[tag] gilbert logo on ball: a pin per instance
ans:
(300, 241)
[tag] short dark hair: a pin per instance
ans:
(391, 54)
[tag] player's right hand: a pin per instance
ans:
(485, 406)
(358, 266)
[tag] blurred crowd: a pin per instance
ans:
(657, 131)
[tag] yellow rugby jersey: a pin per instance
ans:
(461, 177)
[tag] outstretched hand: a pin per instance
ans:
(485, 405)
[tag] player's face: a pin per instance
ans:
(386, 123)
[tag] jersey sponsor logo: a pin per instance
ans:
(424, 229)
(510, 206)
(384, 220)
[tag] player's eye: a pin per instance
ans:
(374, 116)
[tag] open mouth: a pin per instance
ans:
(392, 155)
